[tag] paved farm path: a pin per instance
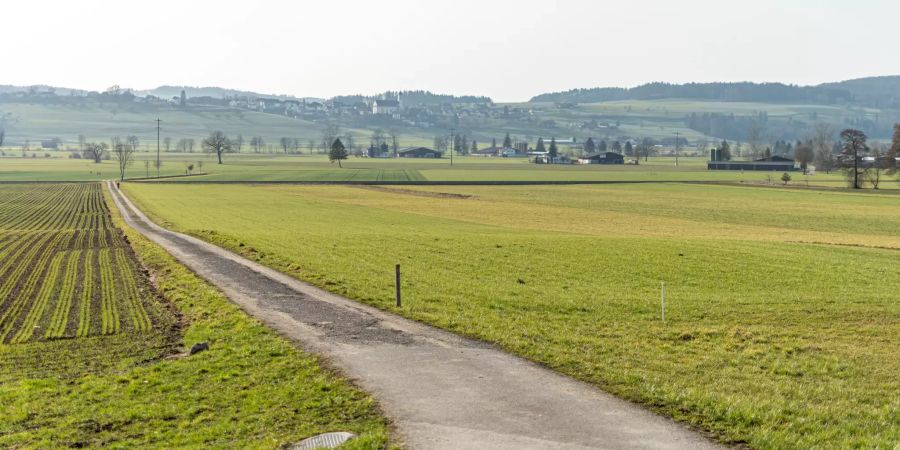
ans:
(441, 391)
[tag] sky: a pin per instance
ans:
(507, 50)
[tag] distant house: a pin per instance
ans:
(496, 151)
(386, 107)
(419, 152)
(546, 159)
(602, 158)
(772, 163)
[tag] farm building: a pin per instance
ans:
(419, 152)
(772, 163)
(496, 151)
(546, 159)
(602, 158)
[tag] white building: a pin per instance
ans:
(387, 107)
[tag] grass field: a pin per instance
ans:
(255, 167)
(782, 322)
(89, 355)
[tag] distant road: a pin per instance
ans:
(441, 391)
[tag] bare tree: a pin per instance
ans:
(167, 144)
(123, 153)
(349, 141)
(190, 145)
(441, 143)
(755, 139)
(395, 142)
(872, 173)
(311, 146)
(645, 148)
(95, 150)
(329, 134)
(852, 148)
(285, 144)
(217, 143)
(257, 143)
(823, 143)
(238, 143)
(133, 142)
(893, 154)
(81, 141)
(803, 154)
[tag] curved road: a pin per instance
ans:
(441, 391)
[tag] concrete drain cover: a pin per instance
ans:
(327, 440)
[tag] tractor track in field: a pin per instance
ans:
(440, 390)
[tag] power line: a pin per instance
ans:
(157, 146)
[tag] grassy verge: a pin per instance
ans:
(767, 341)
(252, 389)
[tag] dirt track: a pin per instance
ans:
(442, 391)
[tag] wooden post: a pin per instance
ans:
(663, 300)
(397, 271)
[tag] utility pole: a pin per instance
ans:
(157, 146)
(677, 143)
(452, 144)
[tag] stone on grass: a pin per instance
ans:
(327, 440)
(199, 347)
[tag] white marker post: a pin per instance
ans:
(662, 285)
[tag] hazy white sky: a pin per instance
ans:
(509, 50)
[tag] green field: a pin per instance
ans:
(781, 326)
(67, 272)
(92, 351)
(253, 167)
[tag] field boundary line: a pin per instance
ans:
(419, 182)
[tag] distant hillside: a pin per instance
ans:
(8, 88)
(881, 92)
(877, 91)
(206, 91)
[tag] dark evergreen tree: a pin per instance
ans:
(602, 148)
(725, 151)
(589, 146)
(338, 152)
(540, 145)
(507, 141)
(553, 150)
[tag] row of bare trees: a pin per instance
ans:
(123, 150)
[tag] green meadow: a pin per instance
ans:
(311, 168)
(782, 324)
